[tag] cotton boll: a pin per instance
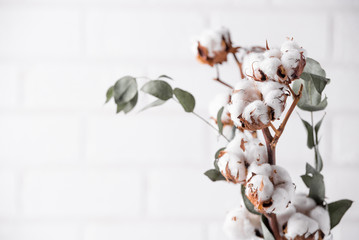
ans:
(256, 151)
(280, 175)
(259, 169)
(303, 204)
(220, 100)
(276, 100)
(228, 131)
(321, 216)
(239, 225)
(280, 201)
(250, 62)
(232, 167)
(284, 216)
(237, 144)
(212, 40)
(272, 53)
(300, 225)
(269, 86)
(261, 186)
(290, 61)
(269, 66)
(289, 45)
(256, 112)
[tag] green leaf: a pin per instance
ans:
(185, 98)
(337, 210)
(127, 106)
(131, 104)
(156, 103)
(109, 94)
(318, 160)
(125, 89)
(158, 88)
(315, 182)
(164, 76)
(267, 234)
(317, 127)
(218, 152)
(214, 175)
(311, 99)
(219, 120)
(310, 137)
(318, 81)
(312, 66)
(247, 203)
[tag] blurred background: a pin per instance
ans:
(70, 168)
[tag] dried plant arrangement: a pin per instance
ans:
(246, 117)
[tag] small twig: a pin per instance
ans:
(273, 223)
(219, 80)
(273, 128)
(239, 65)
(285, 120)
(209, 124)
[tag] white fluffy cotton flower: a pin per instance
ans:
(240, 224)
(269, 188)
(304, 219)
(240, 152)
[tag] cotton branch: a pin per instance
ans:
(219, 80)
(239, 65)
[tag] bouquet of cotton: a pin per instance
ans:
(250, 118)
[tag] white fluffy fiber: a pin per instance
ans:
(240, 152)
(241, 224)
(304, 217)
(270, 183)
(212, 40)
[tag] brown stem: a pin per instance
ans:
(273, 223)
(239, 65)
(285, 120)
(219, 80)
(270, 150)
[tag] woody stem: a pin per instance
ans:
(285, 120)
(239, 65)
(219, 80)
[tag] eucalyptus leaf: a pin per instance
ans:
(158, 88)
(337, 210)
(318, 160)
(131, 104)
(214, 175)
(109, 94)
(319, 82)
(155, 103)
(218, 152)
(315, 182)
(312, 66)
(311, 99)
(247, 203)
(219, 120)
(164, 76)
(310, 136)
(267, 234)
(185, 98)
(125, 89)
(317, 127)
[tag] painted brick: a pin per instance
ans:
(38, 231)
(9, 195)
(275, 28)
(45, 139)
(346, 37)
(86, 192)
(156, 34)
(189, 193)
(145, 138)
(72, 86)
(39, 31)
(139, 231)
(9, 85)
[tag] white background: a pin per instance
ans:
(70, 168)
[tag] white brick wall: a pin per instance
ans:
(72, 169)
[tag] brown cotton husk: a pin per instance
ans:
(229, 177)
(299, 69)
(219, 56)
